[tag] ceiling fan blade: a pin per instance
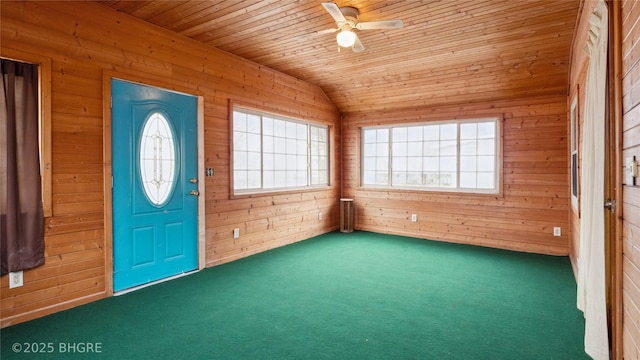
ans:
(328, 31)
(357, 46)
(335, 12)
(310, 35)
(382, 24)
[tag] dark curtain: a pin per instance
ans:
(21, 213)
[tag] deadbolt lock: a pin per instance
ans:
(193, 180)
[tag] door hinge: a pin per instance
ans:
(610, 204)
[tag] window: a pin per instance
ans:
(453, 156)
(44, 92)
(574, 153)
(273, 153)
(157, 159)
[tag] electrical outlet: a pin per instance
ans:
(414, 217)
(557, 231)
(320, 216)
(15, 279)
(236, 233)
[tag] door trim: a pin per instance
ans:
(615, 177)
(107, 75)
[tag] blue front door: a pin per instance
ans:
(154, 162)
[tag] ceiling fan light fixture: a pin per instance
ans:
(346, 19)
(346, 38)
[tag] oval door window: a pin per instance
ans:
(157, 159)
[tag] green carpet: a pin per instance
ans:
(336, 296)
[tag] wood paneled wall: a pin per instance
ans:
(535, 195)
(631, 194)
(83, 40)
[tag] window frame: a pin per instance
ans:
(574, 154)
(247, 109)
(498, 176)
(44, 92)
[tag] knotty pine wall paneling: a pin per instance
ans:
(534, 198)
(83, 40)
(630, 13)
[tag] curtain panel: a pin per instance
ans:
(591, 297)
(21, 212)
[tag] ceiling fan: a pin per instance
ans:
(347, 20)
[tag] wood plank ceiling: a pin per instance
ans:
(449, 51)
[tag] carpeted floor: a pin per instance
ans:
(336, 296)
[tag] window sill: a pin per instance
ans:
(436, 192)
(264, 193)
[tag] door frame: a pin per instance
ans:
(614, 181)
(107, 76)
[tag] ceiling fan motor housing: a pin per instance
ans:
(351, 14)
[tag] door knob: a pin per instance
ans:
(610, 205)
(194, 192)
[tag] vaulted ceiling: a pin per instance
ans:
(448, 52)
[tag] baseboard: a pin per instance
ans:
(48, 310)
